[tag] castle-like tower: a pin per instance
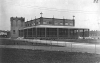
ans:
(16, 24)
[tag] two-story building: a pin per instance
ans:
(46, 28)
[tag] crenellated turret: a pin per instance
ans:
(16, 24)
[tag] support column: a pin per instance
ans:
(19, 33)
(57, 33)
(68, 33)
(32, 32)
(78, 33)
(23, 32)
(45, 33)
(88, 33)
(83, 34)
(27, 32)
(36, 32)
(73, 35)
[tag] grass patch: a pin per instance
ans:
(39, 56)
(18, 42)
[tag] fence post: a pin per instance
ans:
(57, 42)
(40, 41)
(95, 48)
(65, 44)
(46, 40)
(34, 47)
(51, 43)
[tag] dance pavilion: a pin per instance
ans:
(46, 28)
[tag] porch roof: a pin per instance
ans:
(54, 26)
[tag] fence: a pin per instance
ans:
(56, 45)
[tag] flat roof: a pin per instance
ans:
(53, 26)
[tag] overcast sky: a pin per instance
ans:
(87, 13)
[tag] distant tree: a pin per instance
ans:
(95, 1)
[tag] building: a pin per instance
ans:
(46, 28)
(4, 34)
(16, 24)
(94, 34)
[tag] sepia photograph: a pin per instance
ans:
(49, 31)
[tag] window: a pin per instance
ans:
(33, 23)
(38, 22)
(44, 22)
(75, 31)
(61, 23)
(30, 24)
(47, 22)
(21, 24)
(66, 23)
(71, 23)
(26, 25)
(56, 23)
(13, 31)
(81, 30)
(50, 22)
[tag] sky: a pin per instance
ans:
(87, 13)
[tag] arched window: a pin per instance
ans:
(13, 31)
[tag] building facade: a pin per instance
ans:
(4, 34)
(16, 24)
(46, 28)
(94, 34)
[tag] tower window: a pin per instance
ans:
(13, 31)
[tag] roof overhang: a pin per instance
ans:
(53, 26)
